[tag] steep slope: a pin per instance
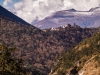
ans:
(39, 48)
(10, 15)
(84, 59)
(89, 18)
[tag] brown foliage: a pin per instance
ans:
(40, 47)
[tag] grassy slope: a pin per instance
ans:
(87, 52)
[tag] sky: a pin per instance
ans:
(35, 10)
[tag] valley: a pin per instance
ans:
(55, 49)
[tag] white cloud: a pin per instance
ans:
(5, 3)
(84, 5)
(29, 10)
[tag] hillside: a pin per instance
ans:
(10, 15)
(83, 59)
(37, 47)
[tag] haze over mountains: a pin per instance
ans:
(89, 18)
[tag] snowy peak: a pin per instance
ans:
(89, 18)
(71, 10)
(96, 9)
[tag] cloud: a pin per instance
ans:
(84, 5)
(30, 10)
(6, 2)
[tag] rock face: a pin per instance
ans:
(81, 72)
(91, 67)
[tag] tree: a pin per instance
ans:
(10, 65)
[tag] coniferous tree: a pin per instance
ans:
(9, 65)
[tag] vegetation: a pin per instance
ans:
(79, 55)
(40, 48)
(10, 65)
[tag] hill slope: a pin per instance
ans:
(10, 15)
(84, 59)
(39, 48)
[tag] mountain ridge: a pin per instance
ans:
(10, 15)
(89, 18)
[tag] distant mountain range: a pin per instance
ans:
(89, 18)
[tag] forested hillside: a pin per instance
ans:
(83, 59)
(40, 48)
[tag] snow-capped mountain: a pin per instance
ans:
(89, 18)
